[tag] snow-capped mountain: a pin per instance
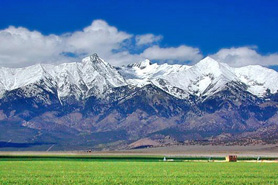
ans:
(95, 77)
(90, 102)
(91, 77)
(205, 78)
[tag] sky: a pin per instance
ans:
(236, 32)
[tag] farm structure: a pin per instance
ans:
(231, 158)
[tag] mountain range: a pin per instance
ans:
(93, 105)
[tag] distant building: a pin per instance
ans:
(231, 158)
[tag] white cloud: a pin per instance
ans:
(243, 56)
(147, 39)
(181, 53)
(19, 45)
(22, 47)
(99, 37)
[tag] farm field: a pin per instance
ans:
(132, 171)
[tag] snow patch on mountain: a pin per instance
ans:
(205, 78)
(258, 79)
(181, 80)
(91, 77)
(95, 77)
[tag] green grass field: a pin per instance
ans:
(115, 171)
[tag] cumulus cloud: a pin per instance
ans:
(243, 56)
(99, 37)
(181, 53)
(22, 47)
(19, 45)
(147, 39)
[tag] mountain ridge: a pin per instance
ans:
(195, 79)
(92, 104)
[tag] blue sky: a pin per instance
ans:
(240, 27)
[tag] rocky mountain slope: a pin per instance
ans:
(91, 104)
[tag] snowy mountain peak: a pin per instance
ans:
(94, 58)
(208, 62)
(209, 66)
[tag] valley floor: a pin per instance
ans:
(179, 150)
(213, 150)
